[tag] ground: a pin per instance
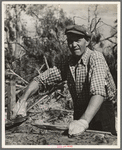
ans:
(54, 110)
(27, 134)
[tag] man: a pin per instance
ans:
(89, 80)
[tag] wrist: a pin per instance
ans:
(84, 123)
(86, 117)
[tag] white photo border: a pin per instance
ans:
(118, 76)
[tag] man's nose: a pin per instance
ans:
(74, 43)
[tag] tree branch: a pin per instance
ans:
(107, 25)
(108, 38)
(22, 46)
(112, 41)
(13, 73)
(41, 68)
(36, 16)
(18, 44)
(45, 59)
(96, 24)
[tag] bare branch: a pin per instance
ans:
(78, 17)
(18, 44)
(13, 73)
(33, 68)
(36, 16)
(108, 38)
(95, 11)
(61, 94)
(38, 70)
(20, 86)
(41, 68)
(107, 25)
(43, 98)
(96, 24)
(91, 23)
(114, 46)
(22, 46)
(45, 59)
(112, 41)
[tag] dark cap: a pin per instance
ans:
(77, 29)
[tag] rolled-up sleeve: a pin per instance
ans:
(49, 77)
(98, 75)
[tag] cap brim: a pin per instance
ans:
(75, 32)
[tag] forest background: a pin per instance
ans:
(34, 38)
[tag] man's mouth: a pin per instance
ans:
(76, 49)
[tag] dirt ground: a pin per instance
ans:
(27, 134)
(56, 110)
(56, 138)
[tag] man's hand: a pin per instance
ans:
(19, 109)
(20, 106)
(77, 127)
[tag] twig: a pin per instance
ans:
(45, 59)
(18, 91)
(34, 68)
(61, 94)
(112, 41)
(36, 16)
(21, 46)
(37, 102)
(98, 132)
(108, 38)
(41, 68)
(18, 76)
(78, 17)
(96, 24)
(108, 25)
(38, 70)
(91, 23)
(20, 86)
(58, 98)
(52, 119)
(68, 111)
(18, 44)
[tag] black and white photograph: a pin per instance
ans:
(60, 74)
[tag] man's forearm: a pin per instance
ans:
(30, 90)
(93, 107)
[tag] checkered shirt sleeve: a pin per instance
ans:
(49, 77)
(98, 74)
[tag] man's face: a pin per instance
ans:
(77, 44)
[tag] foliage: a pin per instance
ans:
(110, 52)
(50, 41)
(50, 44)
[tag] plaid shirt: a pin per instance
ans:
(85, 78)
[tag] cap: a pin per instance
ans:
(77, 29)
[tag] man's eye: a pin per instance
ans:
(78, 40)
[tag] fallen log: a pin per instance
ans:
(61, 127)
(48, 126)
